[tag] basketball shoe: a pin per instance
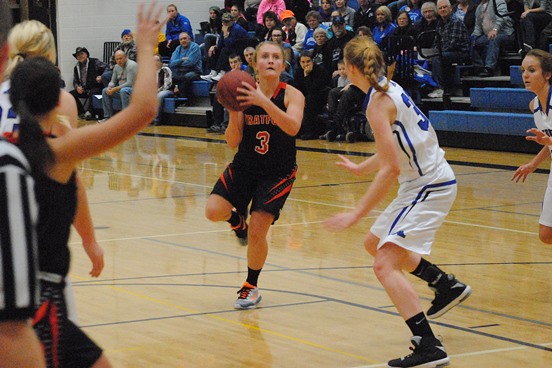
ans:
(428, 352)
(241, 230)
(248, 297)
(448, 293)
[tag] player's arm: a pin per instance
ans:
(381, 114)
(85, 227)
(234, 131)
(289, 121)
(83, 219)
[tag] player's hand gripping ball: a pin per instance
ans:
(227, 86)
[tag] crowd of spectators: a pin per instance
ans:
(313, 35)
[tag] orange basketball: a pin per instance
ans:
(227, 89)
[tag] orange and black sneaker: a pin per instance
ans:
(248, 297)
(241, 230)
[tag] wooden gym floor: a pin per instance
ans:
(166, 294)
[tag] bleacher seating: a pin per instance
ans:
(495, 98)
(515, 76)
(500, 122)
(483, 122)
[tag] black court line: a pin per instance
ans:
(345, 152)
(321, 299)
(308, 272)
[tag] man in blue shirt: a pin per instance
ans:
(186, 64)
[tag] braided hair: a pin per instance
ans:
(365, 55)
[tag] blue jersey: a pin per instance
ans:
(8, 119)
(416, 140)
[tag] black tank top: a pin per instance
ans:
(57, 207)
(265, 149)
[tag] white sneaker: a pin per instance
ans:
(88, 115)
(217, 77)
(209, 76)
(438, 93)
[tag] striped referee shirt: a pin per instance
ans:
(18, 243)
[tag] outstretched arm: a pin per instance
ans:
(381, 114)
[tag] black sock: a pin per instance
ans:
(429, 272)
(234, 219)
(253, 276)
(419, 326)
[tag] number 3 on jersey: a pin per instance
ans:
(264, 138)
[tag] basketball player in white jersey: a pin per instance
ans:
(407, 151)
(537, 72)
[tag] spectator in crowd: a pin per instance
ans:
(314, 82)
(19, 345)
(228, 42)
(210, 29)
(465, 11)
(326, 9)
(321, 53)
(491, 34)
(270, 21)
(177, 23)
(239, 16)
(340, 85)
(87, 80)
(313, 21)
(455, 47)
(345, 11)
(413, 9)
(294, 31)
(365, 15)
(164, 84)
(299, 7)
(533, 20)
(337, 43)
(384, 25)
(428, 22)
(220, 114)
(186, 64)
(363, 31)
(276, 6)
(404, 25)
(121, 84)
(128, 46)
(249, 56)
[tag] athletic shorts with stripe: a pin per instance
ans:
(412, 219)
(64, 343)
(266, 193)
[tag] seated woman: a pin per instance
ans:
(314, 82)
(326, 8)
(270, 21)
(404, 25)
(239, 16)
(384, 25)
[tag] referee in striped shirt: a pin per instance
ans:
(19, 345)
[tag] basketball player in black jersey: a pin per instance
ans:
(34, 95)
(19, 345)
(263, 170)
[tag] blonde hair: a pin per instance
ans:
(30, 39)
(363, 53)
